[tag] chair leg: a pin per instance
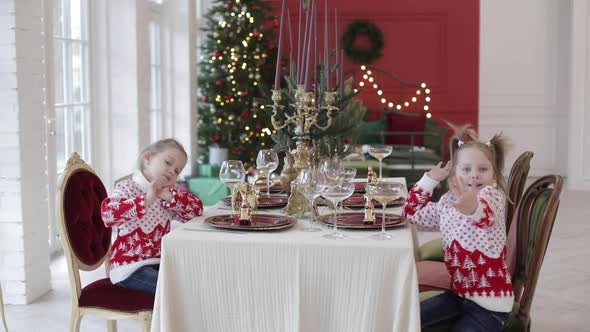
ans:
(146, 321)
(75, 320)
(111, 325)
(2, 317)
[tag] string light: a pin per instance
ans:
(367, 76)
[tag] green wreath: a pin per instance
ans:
(363, 55)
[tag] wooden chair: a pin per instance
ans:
(2, 317)
(534, 224)
(516, 181)
(87, 244)
(432, 250)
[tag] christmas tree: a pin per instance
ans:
(236, 64)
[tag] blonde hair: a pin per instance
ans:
(494, 150)
(157, 147)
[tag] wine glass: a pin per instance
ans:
(232, 173)
(385, 192)
(337, 193)
(379, 152)
(331, 171)
(267, 161)
(308, 184)
(349, 174)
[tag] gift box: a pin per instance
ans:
(209, 189)
(208, 170)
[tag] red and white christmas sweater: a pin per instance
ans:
(474, 245)
(139, 228)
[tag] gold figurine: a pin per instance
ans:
(369, 210)
(371, 175)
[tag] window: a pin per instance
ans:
(72, 91)
(156, 113)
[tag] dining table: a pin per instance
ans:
(218, 279)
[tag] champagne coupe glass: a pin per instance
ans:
(379, 152)
(385, 192)
(267, 161)
(308, 183)
(232, 173)
(337, 193)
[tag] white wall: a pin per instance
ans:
(524, 56)
(24, 247)
(579, 122)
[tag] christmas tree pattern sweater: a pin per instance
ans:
(139, 228)
(474, 245)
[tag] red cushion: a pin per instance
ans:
(432, 276)
(405, 123)
(103, 294)
(88, 236)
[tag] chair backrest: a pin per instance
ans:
(516, 181)
(123, 178)
(536, 216)
(85, 238)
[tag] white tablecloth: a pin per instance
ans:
(286, 280)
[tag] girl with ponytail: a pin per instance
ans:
(470, 218)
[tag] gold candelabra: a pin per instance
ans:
(305, 118)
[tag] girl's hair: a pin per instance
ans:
(157, 147)
(494, 150)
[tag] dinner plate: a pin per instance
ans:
(359, 187)
(354, 220)
(358, 201)
(259, 222)
(265, 201)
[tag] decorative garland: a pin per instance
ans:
(363, 55)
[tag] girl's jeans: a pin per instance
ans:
(468, 315)
(143, 279)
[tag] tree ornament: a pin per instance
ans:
(217, 138)
(205, 99)
(245, 115)
(219, 83)
(245, 93)
(229, 5)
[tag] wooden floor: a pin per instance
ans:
(561, 303)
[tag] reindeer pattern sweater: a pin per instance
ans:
(474, 245)
(139, 228)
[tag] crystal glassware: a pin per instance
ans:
(232, 173)
(331, 171)
(337, 193)
(349, 174)
(379, 152)
(385, 192)
(309, 186)
(267, 161)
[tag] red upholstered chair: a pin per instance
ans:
(405, 128)
(87, 244)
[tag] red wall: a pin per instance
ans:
(430, 41)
